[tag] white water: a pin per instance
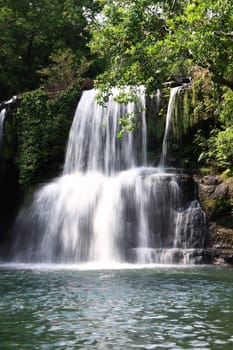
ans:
(170, 110)
(93, 143)
(2, 118)
(105, 209)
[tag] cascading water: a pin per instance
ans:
(104, 208)
(170, 110)
(2, 118)
(93, 143)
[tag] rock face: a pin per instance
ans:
(9, 189)
(87, 84)
(152, 217)
(216, 196)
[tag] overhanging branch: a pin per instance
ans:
(221, 33)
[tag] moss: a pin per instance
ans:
(205, 171)
(209, 205)
(42, 127)
(226, 175)
(219, 210)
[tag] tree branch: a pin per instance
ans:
(221, 33)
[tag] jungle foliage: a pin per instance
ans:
(148, 42)
(51, 45)
(32, 32)
(44, 56)
(42, 126)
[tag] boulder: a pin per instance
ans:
(221, 191)
(216, 197)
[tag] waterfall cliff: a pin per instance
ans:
(108, 205)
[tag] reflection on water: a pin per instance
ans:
(157, 308)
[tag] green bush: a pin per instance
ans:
(227, 108)
(224, 148)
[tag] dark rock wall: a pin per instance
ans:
(216, 195)
(9, 189)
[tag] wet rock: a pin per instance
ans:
(210, 180)
(221, 191)
(218, 257)
(213, 188)
(229, 259)
(87, 84)
(216, 197)
(206, 191)
(230, 188)
(220, 237)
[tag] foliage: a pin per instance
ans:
(216, 150)
(212, 121)
(128, 123)
(146, 41)
(220, 210)
(224, 149)
(226, 112)
(203, 33)
(42, 130)
(63, 71)
(130, 35)
(32, 31)
(136, 42)
(207, 146)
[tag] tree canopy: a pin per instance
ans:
(131, 42)
(203, 33)
(147, 41)
(32, 31)
(137, 41)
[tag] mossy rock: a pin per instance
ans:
(42, 128)
(221, 237)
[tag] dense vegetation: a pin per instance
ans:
(36, 33)
(147, 42)
(42, 130)
(52, 45)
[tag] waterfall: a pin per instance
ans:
(157, 100)
(2, 118)
(96, 129)
(4, 107)
(108, 206)
(170, 110)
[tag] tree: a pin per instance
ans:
(203, 36)
(146, 41)
(131, 35)
(33, 30)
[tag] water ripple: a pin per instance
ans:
(121, 309)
